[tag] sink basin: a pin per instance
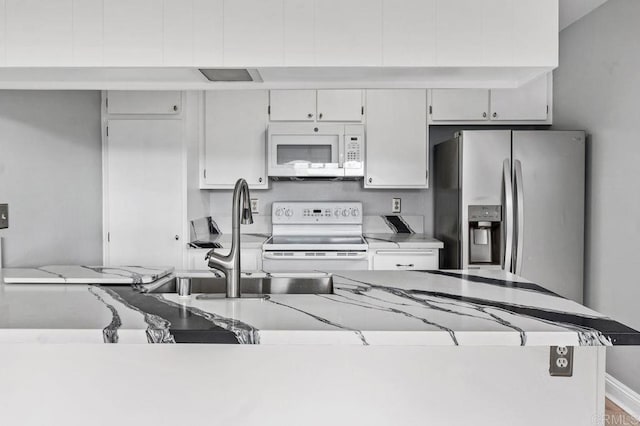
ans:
(258, 284)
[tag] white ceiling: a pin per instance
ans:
(572, 10)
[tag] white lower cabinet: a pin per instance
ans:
(235, 139)
(250, 258)
(143, 195)
(144, 102)
(404, 259)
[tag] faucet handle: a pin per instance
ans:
(209, 253)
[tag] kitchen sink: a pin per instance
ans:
(252, 284)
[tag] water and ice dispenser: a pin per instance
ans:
(485, 235)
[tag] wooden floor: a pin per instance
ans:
(615, 415)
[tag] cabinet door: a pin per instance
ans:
(292, 105)
(208, 19)
(178, 37)
(253, 32)
(408, 29)
(459, 32)
(339, 105)
(396, 140)
(144, 189)
(143, 102)
(459, 104)
(39, 32)
(299, 36)
(235, 138)
(528, 102)
(133, 32)
(348, 32)
(87, 32)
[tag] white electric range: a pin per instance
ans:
(315, 236)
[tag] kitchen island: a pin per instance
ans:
(420, 347)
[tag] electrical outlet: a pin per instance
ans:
(255, 206)
(561, 361)
(4, 216)
(396, 205)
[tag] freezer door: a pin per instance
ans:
(549, 186)
(483, 153)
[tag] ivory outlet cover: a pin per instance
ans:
(255, 206)
(396, 205)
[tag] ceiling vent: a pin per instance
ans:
(231, 74)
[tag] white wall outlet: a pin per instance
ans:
(255, 206)
(396, 205)
(561, 361)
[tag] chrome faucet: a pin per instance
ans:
(230, 264)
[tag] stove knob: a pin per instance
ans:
(345, 212)
(355, 212)
(336, 212)
(278, 212)
(289, 213)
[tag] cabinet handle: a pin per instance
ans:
(260, 180)
(495, 114)
(309, 115)
(177, 237)
(175, 107)
(370, 180)
(320, 116)
(484, 115)
(400, 265)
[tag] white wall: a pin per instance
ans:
(50, 175)
(597, 88)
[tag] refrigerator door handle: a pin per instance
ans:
(520, 217)
(508, 215)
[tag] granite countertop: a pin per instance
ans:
(402, 241)
(368, 308)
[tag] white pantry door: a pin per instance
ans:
(144, 193)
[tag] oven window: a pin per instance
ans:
(304, 153)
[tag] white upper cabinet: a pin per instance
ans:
(299, 36)
(408, 32)
(253, 32)
(459, 31)
(208, 34)
(316, 105)
(292, 105)
(177, 41)
(87, 33)
(144, 102)
(535, 33)
(348, 32)
(39, 32)
(284, 33)
(133, 32)
(529, 102)
(459, 104)
(235, 142)
(397, 145)
(339, 105)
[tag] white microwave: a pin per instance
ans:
(299, 150)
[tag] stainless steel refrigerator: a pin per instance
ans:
(514, 200)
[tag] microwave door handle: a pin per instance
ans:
(341, 151)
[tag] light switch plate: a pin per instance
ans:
(396, 205)
(4, 216)
(255, 206)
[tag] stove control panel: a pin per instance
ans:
(319, 212)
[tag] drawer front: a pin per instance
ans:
(402, 260)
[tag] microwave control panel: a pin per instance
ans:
(353, 148)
